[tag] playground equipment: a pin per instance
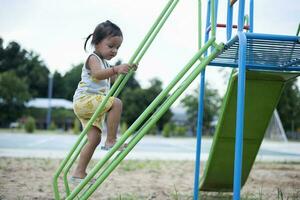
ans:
(264, 64)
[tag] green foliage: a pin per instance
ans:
(136, 100)
(76, 127)
(69, 82)
(171, 129)
(289, 106)
(180, 131)
(13, 94)
(62, 118)
(167, 130)
(30, 77)
(22, 76)
(212, 102)
(27, 66)
(52, 126)
(30, 125)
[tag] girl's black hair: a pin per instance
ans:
(102, 31)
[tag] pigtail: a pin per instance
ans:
(87, 41)
(102, 31)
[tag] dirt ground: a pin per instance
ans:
(27, 179)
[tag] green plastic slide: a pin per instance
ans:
(263, 91)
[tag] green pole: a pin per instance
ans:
(136, 53)
(83, 133)
(199, 24)
(140, 120)
(151, 122)
(153, 27)
(147, 45)
(213, 22)
(70, 163)
(101, 106)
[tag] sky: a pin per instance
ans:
(56, 30)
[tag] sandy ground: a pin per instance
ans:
(27, 179)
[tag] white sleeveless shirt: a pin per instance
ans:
(90, 85)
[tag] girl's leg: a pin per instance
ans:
(94, 138)
(113, 120)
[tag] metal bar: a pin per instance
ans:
(101, 106)
(216, 12)
(141, 119)
(296, 61)
(272, 37)
(199, 134)
(83, 133)
(229, 20)
(246, 27)
(241, 15)
(151, 122)
(255, 66)
(207, 23)
(198, 147)
(70, 163)
(240, 117)
(298, 31)
(200, 24)
(263, 55)
(251, 21)
(151, 30)
(213, 19)
(147, 45)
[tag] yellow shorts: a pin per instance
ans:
(86, 106)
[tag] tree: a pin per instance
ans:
(13, 94)
(289, 106)
(136, 100)
(27, 66)
(36, 75)
(151, 93)
(59, 86)
(211, 107)
(71, 80)
(12, 56)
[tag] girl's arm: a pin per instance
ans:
(100, 73)
(113, 78)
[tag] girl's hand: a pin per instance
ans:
(125, 68)
(134, 66)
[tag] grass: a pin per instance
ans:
(133, 165)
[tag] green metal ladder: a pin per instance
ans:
(160, 105)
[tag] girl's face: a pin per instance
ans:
(108, 47)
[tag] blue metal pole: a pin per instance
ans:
(240, 117)
(199, 134)
(241, 15)
(207, 25)
(200, 112)
(229, 20)
(251, 22)
(216, 11)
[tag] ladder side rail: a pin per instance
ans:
(147, 44)
(152, 121)
(141, 119)
(70, 163)
(117, 83)
(149, 37)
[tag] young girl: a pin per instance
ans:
(96, 77)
